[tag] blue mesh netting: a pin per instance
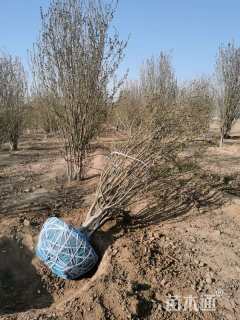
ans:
(65, 250)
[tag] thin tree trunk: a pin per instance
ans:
(221, 141)
(92, 223)
(222, 135)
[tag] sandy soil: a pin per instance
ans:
(190, 257)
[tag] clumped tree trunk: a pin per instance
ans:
(75, 61)
(221, 138)
(130, 174)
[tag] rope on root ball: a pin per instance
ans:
(65, 249)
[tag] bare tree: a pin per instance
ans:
(196, 103)
(228, 97)
(128, 175)
(155, 101)
(150, 100)
(41, 115)
(159, 91)
(158, 80)
(128, 111)
(146, 168)
(75, 61)
(151, 165)
(13, 91)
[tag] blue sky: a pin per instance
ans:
(191, 29)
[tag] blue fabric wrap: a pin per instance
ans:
(65, 249)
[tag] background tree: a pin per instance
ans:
(75, 62)
(196, 104)
(128, 111)
(159, 88)
(40, 115)
(13, 91)
(228, 90)
(149, 99)
(158, 80)
(155, 101)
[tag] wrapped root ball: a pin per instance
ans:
(65, 249)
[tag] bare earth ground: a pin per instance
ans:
(193, 257)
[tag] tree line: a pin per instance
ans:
(75, 88)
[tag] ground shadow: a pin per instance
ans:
(232, 138)
(174, 208)
(61, 199)
(100, 241)
(20, 284)
(232, 185)
(203, 193)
